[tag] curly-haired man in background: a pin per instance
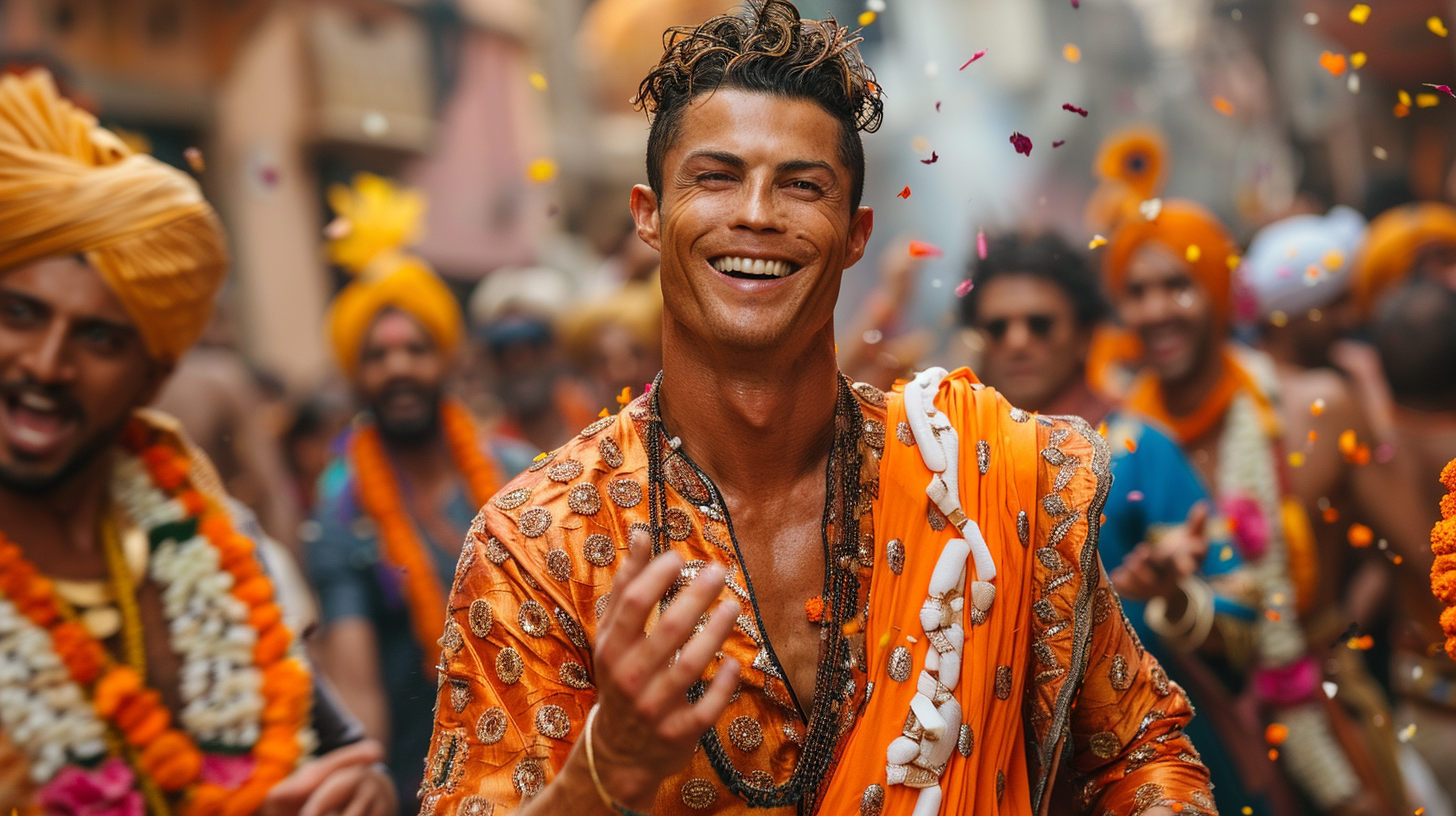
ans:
(735, 594)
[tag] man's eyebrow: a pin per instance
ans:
(799, 165)
(719, 156)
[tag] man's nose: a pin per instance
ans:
(47, 361)
(758, 207)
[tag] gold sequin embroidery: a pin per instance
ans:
(611, 452)
(905, 435)
(552, 722)
(491, 727)
(481, 618)
(533, 618)
(1105, 744)
(512, 499)
(495, 551)
(895, 555)
(584, 499)
(564, 471)
(873, 801)
(745, 733)
(679, 525)
(597, 427)
(573, 630)
(699, 794)
(598, 550)
(459, 694)
(624, 493)
(1003, 682)
(529, 777)
(899, 664)
(534, 522)
(573, 674)
(1118, 675)
(508, 665)
(966, 741)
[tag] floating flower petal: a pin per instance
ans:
(1071, 53)
(1445, 89)
(973, 58)
(1059, 143)
(1021, 143)
(964, 287)
(1357, 60)
(1074, 109)
(1436, 26)
(1222, 105)
(905, 193)
(932, 160)
(921, 249)
(1332, 62)
(981, 244)
(1097, 241)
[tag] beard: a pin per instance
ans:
(407, 430)
(39, 484)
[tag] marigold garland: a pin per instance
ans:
(1443, 544)
(400, 545)
(158, 749)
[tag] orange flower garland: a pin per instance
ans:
(1443, 544)
(158, 749)
(400, 546)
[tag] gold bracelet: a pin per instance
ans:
(591, 765)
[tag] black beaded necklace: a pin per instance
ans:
(840, 534)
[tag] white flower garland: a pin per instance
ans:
(47, 715)
(1248, 467)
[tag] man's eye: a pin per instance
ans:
(17, 310)
(803, 184)
(715, 176)
(102, 336)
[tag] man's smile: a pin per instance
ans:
(745, 268)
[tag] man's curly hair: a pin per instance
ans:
(767, 48)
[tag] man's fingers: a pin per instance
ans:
(314, 772)
(1197, 518)
(631, 603)
(667, 686)
(332, 795)
(690, 721)
(681, 616)
(639, 553)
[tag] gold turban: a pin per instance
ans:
(377, 220)
(1393, 245)
(68, 187)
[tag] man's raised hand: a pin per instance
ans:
(645, 728)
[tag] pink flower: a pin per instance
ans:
(229, 771)
(1247, 523)
(1287, 685)
(1021, 143)
(109, 790)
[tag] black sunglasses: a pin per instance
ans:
(1039, 325)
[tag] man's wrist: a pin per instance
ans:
(619, 781)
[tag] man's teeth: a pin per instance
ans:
(36, 402)
(753, 266)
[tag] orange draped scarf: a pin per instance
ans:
(994, 732)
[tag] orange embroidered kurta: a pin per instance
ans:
(536, 569)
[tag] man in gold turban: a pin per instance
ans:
(395, 505)
(148, 664)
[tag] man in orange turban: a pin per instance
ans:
(1168, 268)
(858, 602)
(149, 668)
(412, 471)
(1413, 238)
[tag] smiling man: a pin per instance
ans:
(146, 667)
(1170, 278)
(762, 586)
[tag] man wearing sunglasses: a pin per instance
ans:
(1035, 304)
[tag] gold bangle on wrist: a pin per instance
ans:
(1194, 627)
(591, 765)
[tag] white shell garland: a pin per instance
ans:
(918, 758)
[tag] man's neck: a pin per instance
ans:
(423, 461)
(67, 515)
(754, 421)
(1078, 399)
(1183, 396)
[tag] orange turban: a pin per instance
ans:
(1192, 233)
(69, 187)
(1393, 245)
(377, 220)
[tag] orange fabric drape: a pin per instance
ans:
(993, 500)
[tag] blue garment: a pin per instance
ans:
(1153, 486)
(347, 574)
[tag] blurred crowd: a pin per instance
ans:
(1285, 268)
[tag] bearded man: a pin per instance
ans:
(857, 602)
(395, 504)
(146, 665)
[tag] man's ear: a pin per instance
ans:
(861, 224)
(647, 216)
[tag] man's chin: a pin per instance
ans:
(39, 478)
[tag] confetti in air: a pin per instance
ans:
(1097, 241)
(1222, 105)
(541, 170)
(1436, 26)
(981, 244)
(866, 17)
(1317, 407)
(973, 58)
(932, 160)
(194, 159)
(1068, 106)
(537, 80)
(1445, 89)
(1334, 63)
(1427, 100)
(1193, 253)
(1021, 143)
(1276, 733)
(937, 106)
(964, 287)
(1357, 60)
(921, 249)
(1071, 53)
(905, 193)
(1359, 14)
(1058, 143)
(1359, 536)
(1151, 208)
(1134, 495)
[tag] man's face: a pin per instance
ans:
(1034, 348)
(401, 376)
(754, 227)
(1171, 313)
(72, 369)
